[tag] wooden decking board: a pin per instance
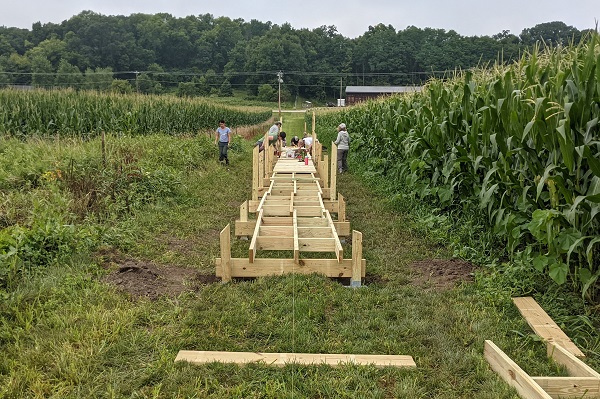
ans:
(281, 359)
(543, 325)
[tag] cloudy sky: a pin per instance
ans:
(351, 17)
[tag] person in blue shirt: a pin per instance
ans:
(224, 138)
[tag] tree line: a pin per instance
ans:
(203, 55)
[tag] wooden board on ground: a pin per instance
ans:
(242, 267)
(543, 325)
(281, 359)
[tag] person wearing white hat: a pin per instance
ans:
(343, 145)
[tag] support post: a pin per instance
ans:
(255, 173)
(355, 280)
(244, 211)
(225, 240)
(341, 208)
(333, 182)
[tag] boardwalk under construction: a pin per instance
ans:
(297, 209)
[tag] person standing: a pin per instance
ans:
(343, 145)
(224, 138)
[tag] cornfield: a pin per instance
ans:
(521, 141)
(80, 113)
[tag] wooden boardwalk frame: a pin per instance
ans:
(297, 209)
(582, 382)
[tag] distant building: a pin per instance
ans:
(356, 94)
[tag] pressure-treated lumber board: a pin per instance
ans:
(225, 242)
(355, 280)
(575, 367)
(252, 248)
(543, 325)
(566, 387)
(510, 372)
(242, 267)
(247, 228)
(281, 359)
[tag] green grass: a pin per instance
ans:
(64, 333)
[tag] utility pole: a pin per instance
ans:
(279, 81)
(340, 88)
(137, 83)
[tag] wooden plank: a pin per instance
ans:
(247, 228)
(255, 173)
(244, 211)
(510, 372)
(543, 325)
(309, 211)
(314, 232)
(281, 359)
(225, 243)
(296, 243)
(242, 267)
(333, 168)
(252, 248)
(563, 387)
(316, 244)
(356, 280)
(276, 231)
(339, 251)
(291, 204)
(276, 243)
(575, 366)
(324, 172)
(341, 208)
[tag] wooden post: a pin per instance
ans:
(323, 172)
(244, 211)
(255, 173)
(341, 208)
(225, 239)
(333, 183)
(355, 280)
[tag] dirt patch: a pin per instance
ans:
(146, 279)
(441, 274)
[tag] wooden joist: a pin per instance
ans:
(281, 359)
(543, 325)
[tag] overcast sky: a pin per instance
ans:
(351, 17)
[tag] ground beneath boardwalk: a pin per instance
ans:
(441, 274)
(146, 279)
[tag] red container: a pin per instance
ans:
(305, 160)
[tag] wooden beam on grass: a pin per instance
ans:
(356, 279)
(281, 359)
(569, 387)
(242, 267)
(225, 241)
(543, 325)
(510, 372)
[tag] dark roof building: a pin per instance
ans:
(356, 94)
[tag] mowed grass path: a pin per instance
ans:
(74, 336)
